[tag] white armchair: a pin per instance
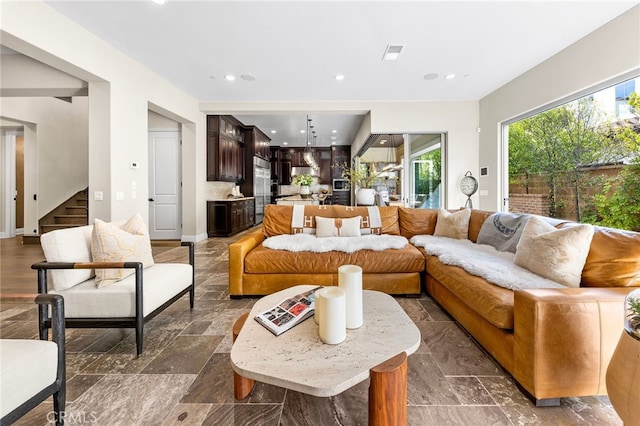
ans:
(126, 303)
(33, 370)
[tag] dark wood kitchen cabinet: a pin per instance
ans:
(257, 143)
(284, 178)
(228, 217)
(340, 155)
(297, 158)
(225, 149)
(324, 161)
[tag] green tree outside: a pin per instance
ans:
(562, 144)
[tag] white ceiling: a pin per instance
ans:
(294, 49)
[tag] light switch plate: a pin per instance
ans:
(97, 196)
(119, 196)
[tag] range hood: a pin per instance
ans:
(296, 171)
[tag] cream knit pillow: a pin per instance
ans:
(556, 254)
(128, 243)
(453, 225)
(338, 227)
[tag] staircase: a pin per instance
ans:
(70, 214)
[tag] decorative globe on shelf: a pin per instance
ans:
(632, 313)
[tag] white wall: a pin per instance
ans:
(56, 151)
(610, 51)
(124, 92)
(160, 122)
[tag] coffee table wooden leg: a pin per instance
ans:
(388, 392)
(242, 387)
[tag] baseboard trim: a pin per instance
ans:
(165, 243)
(31, 239)
(195, 238)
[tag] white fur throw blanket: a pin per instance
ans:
(306, 242)
(484, 261)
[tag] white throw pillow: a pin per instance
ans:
(453, 225)
(128, 243)
(556, 254)
(68, 245)
(338, 226)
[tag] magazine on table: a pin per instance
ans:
(289, 312)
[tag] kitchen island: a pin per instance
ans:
(296, 199)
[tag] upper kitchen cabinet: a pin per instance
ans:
(323, 158)
(297, 158)
(225, 149)
(257, 142)
(340, 155)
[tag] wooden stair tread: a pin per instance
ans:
(71, 213)
(59, 226)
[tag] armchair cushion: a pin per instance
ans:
(126, 243)
(68, 245)
(117, 300)
(27, 367)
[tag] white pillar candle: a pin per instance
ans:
(316, 312)
(331, 304)
(350, 280)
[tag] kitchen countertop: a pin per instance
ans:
(231, 199)
(296, 199)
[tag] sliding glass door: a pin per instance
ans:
(425, 175)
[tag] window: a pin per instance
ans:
(580, 160)
(623, 92)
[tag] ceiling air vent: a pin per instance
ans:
(392, 52)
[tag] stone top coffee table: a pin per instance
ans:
(298, 360)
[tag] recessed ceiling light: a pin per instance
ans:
(392, 52)
(247, 77)
(450, 76)
(273, 132)
(383, 141)
(339, 77)
(430, 76)
(333, 143)
(229, 77)
(333, 138)
(303, 131)
(334, 131)
(285, 143)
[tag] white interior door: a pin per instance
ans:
(8, 182)
(165, 209)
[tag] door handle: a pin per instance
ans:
(151, 199)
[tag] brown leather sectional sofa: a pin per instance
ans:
(554, 342)
(255, 270)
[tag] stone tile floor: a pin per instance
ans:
(184, 376)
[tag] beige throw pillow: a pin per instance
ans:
(453, 225)
(127, 243)
(338, 227)
(556, 254)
